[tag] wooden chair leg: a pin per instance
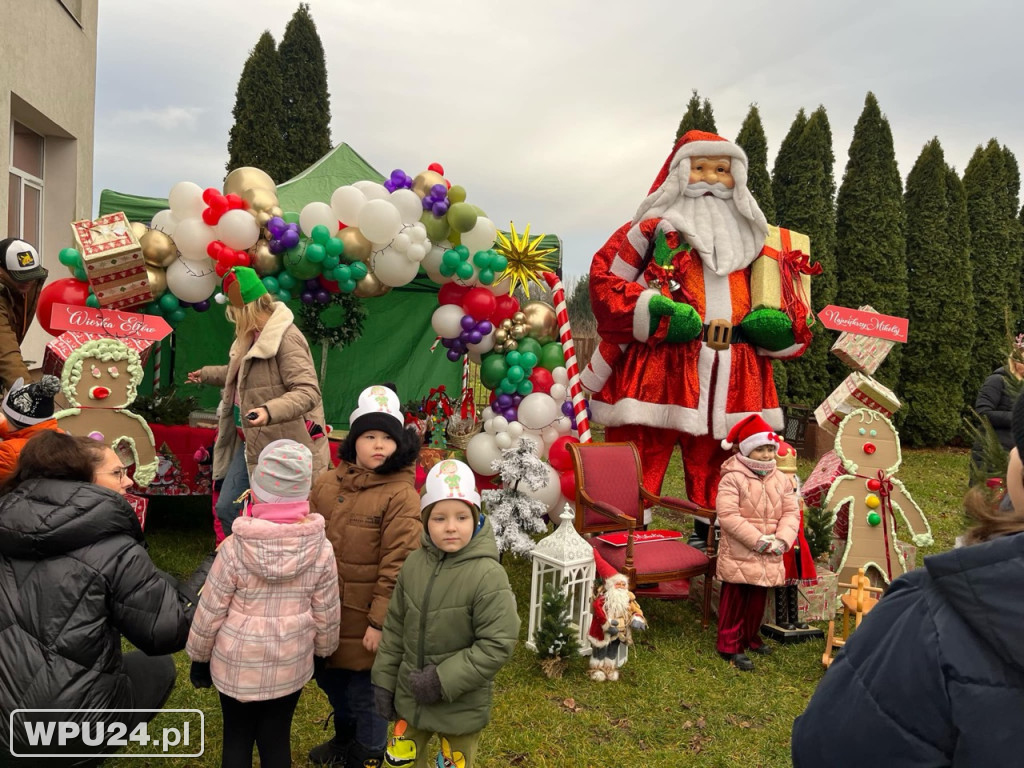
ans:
(826, 657)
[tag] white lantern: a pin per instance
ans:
(565, 559)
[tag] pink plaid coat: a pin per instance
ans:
(269, 604)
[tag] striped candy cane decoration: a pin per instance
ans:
(579, 401)
(158, 354)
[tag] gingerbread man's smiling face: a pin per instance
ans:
(867, 443)
(103, 373)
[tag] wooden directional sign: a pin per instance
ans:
(108, 322)
(865, 323)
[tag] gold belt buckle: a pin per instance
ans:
(719, 334)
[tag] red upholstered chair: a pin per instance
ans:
(610, 498)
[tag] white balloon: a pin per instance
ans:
(318, 214)
(372, 190)
(550, 493)
(392, 268)
(408, 203)
(432, 265)
(560, 375)
(563, 425)
(191, 282)
(192, 235)
(418, 234)
(486, 345)
(481, 452)
(537, 411)
(489, 426)
(347, 202)
(401, 242)
(379, 221)
(481, 236)
(447, 321)
(416, 252)
(557, 392)
(502, 287)
(186, 200)
(488, 413)
(238, 229)
(500, 424)
(515, 428)
(503, 440)
(549, 435)
(164, 221)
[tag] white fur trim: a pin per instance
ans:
(723, 378)
(775, 417)
(755, 441)
(793, 350)
(630, 411)
(623, 269)
(709, 149)
(717, 296)
(642, 315)
(705, 364)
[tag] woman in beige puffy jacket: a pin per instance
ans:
(758, 511)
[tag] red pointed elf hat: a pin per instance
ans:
(748, 434)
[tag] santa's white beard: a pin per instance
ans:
(725, 240)
(616, 603)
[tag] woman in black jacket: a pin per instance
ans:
(994, 403)
(934, 676)
(74, 578)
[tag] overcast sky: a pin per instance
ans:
(556, 113)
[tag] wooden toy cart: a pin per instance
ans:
(857, 601)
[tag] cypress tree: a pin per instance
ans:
(805, 187)
(984, 185)
(696, 118)
(305, 119)
(1015, 238)
(870, 224)
(751, 139)
(958, 240)
(938, 292)
(255, 137)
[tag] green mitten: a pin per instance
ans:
(768, 328)
(685, 324)
(659, 306)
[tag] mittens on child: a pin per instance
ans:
(425, 685)
(778, 547)
(384, 703)
(199, 674)
(763, 544)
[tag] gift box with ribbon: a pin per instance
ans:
(780, 277)
(858, 390)
(815, 602)
(113, 261)
(860, 352)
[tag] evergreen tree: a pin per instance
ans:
(958, 240)
(1015, 238)
(751, 139)
(984, 185)
(697, 117)
(515, 514)
(255, 138)
(939, 293)
(870, 225)
(305, 119)
(556, 637)
(805, 203)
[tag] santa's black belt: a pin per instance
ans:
(722, 336)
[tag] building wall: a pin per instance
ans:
(48, 83)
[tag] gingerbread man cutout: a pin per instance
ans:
(869, 447)
(100, 380)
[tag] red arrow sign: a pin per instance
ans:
(865, 323)
(108, 322)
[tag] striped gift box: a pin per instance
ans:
(112, 257)
(58, 350)
(858, 390)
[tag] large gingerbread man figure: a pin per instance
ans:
(869, 448)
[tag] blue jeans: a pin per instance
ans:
(235, 483)
(351, 696)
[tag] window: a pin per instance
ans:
(25, 186)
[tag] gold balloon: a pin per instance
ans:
(158, 249)
(245, 178)
(157, 280)
(518, 332)
(357, 247)
(263, 261)
(519, 318)
(370, 287)
(542, 321)
(500, 336)
(511, 345)
(262, 217)
(139, 229)
(276, 211)
(423, 182)
(506, 324)
(260, 199)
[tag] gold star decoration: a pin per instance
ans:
(526, 259)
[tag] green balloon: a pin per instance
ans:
(358, 270)
(524, 387)
(347, 286)
(514, 358)
(492, 370)
(499, 262)
(462, 217)
(315, 252)
(153, 308)
(92, 301)
(479, 211)
(80, 275)
(69, 257)
(529, 344)
(450, 258)
(515, 374)
(437, 229)
(464, 270)
(320, 234)
(552, 356)
(271, 284)
(341, 274)
(286, 281)
(508, 387)
(486, 276)
(335, 248)
(169, 302)
(284, 295)
(529, 360)
(299, 266)
(330, 262)
(457, 194)
(176, 316)
(291, 217)
(482, 259)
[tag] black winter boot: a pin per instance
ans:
(334, 752)
(792, 595)
(359, 756)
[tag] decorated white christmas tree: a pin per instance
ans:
(514, 514)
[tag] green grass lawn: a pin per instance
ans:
(677, 703)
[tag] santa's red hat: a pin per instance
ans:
(699, 144)
(605, 570)
(750, 433)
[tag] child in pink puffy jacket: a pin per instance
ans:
(759, 515)
(269, 606)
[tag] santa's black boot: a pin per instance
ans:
(782, 614)
(793, 603)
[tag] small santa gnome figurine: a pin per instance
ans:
(615, 616)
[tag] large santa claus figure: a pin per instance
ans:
(682, 357)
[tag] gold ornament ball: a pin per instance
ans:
(263, 261)
(247, 177)
(506, 324)
(519, 318)
(542, 321)
(511, 345)
(423, 182)
(518, 332)
(262, 217)
(157, 280)
(158, 249)
(370, 287)
(357, 247)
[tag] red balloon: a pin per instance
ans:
(221, 268)
(479, 303)
(234, 202)
(64, 291)
(329, 285)
(209, 194)
(242, 258)
(436, 168)
(558, 455)
(542, 380)
(211, 217)
(505, 307)
(567, 480)
(452, 293)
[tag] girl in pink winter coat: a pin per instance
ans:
(758, 511)
(269, 606)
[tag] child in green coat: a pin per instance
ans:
(451, 625)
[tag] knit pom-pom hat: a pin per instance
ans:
(283, 473)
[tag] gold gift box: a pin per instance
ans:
(765, 276)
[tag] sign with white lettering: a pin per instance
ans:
(109, 322)
(865, 323)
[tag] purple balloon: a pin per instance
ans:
(322, 296)
(307, 297)
(447, 343)
(567, 409)
(485, 327)
(467, 323)
(439, 191)
(475, 337)
(276, 246)
(427, 204)
(290, 239)
(516, 400)
(389, 185)
(509, 413)
(454, 355)
(201, 306)
(503, 401)
(277, 226)
(312, 283)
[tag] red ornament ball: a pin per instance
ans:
(874, 484)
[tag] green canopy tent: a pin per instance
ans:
(397, 335)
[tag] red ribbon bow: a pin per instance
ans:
(438, 400)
